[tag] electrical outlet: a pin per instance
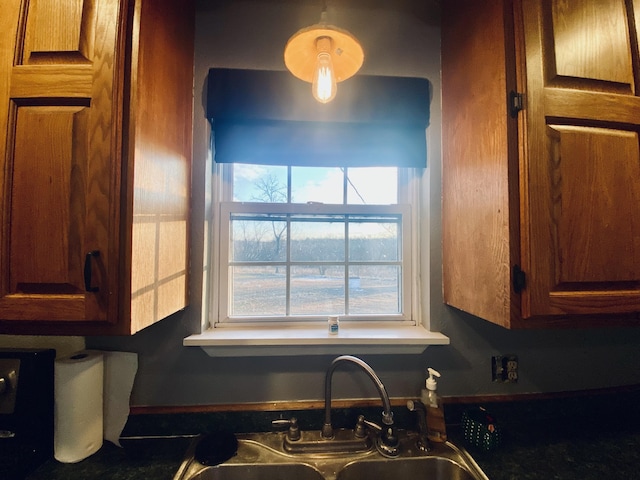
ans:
(504, 368)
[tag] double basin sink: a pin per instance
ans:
(262, 456)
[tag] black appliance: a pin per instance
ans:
(26, 410)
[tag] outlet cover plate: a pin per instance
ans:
(504, 368)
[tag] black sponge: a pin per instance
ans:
(216, 447)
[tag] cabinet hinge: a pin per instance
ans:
(515, 103)
(519, 279)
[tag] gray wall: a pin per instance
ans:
(248, 35)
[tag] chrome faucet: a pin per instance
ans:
(387, 442)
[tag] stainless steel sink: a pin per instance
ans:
(284, 471)
(425, 467)
(262, 456)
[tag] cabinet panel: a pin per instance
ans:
(48, 169)
(59, 30)
(598, 235)
(45, 238)
(589, 39)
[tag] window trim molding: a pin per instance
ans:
(365, 338)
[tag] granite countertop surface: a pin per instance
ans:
(150, 459)
(582, 438)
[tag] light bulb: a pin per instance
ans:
(324, 78)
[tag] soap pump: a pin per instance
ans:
(436, 428)
(429, 395)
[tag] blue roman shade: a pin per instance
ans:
(270, 117)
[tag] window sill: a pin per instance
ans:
(314, 340)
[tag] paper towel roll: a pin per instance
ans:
(119, 373)
(78, 406)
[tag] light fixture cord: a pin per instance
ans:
(323, 13)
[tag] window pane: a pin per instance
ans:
(258, 290)
(317, 290)
(257, 238)
(375, 241)
(316, 184)
(291, 258)
(374, 290)
(316, 240)
(372, 186)
(259, 183)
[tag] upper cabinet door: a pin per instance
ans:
(581, 225)
(479, 159)
(61, 158)
(541, 191)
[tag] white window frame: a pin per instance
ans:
(407, 335)
(223, 296)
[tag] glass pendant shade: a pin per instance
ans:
(323, 55)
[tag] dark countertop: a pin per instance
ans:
(612, 455)
(582, 438)
(149, 459)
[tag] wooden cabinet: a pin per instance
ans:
(95, 144)
(541, 207)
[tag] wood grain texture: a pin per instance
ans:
(477, 241)
(38, 309)
(570, 184)
(159, 141)
(591, 41)
(63, 147)
(594, 169)
(46, 81)
(583, 166)
(100, 100)
(583, 105)
(54, 26)
(9, 21)
(44, 168)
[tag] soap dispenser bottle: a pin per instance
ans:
(436, 428)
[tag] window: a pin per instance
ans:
(315, 212)
(297, 244)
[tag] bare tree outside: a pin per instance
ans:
(273, 191)
(336, 263)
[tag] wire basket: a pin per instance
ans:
(481, 429)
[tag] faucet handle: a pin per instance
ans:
(372, 425)
(294, 431)
(361, 427)
(387, 442)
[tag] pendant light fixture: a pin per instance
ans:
(323, 55)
